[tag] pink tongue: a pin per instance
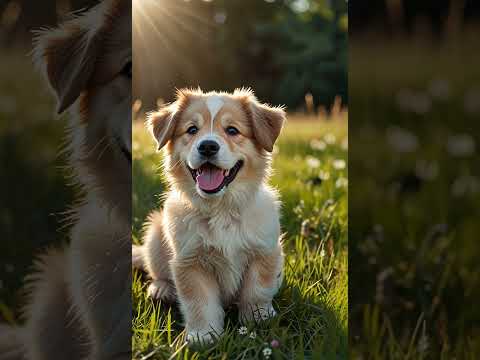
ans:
(210, 178)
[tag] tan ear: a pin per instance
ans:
(67, 57)
(162, 124)
(267, 122)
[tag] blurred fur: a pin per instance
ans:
(77, 295)
(211, 250)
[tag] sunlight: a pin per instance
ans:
(162, 34)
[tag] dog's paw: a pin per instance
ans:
(201, 337)
(257, 313)
(161, 290)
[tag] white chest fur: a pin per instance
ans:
(223, 242)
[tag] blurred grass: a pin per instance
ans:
(414, 209)
(313, 303)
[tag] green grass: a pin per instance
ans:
(414, 233)
(313, 301)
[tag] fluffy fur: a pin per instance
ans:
(208, 250)
(77, 295)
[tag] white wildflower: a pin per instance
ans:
(421, 104)
(401, 140)
(252, 335)
(330, 138)
(267, 352)
(411, 101)
(423, 343)
(341, 182)
(312, 162)
(439, 89)
(339, 164)
(461, 145)
(426, 170)
(318, 145)
(324, 175)
(243, 330)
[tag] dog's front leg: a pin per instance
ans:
(199, 297)
(260, 284)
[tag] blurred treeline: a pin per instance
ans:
(284, 49)
(409, 17)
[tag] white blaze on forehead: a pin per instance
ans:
(214, 104)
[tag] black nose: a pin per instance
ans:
(208, 148)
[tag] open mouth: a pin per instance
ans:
(211, 179)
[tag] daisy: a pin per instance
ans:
(242, 330)
(339, 164)
(267, 352)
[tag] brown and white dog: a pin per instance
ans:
(217, 240)
(79, 303)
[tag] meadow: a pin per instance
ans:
(310, 162)
(413, 211)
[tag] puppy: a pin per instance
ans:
(79, 303)
(217, 240)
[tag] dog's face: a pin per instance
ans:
(217, 143)
(88, 63)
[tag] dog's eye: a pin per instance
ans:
(127, 70)
(232, 131)
(192, 130)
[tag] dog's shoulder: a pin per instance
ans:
(265, 203)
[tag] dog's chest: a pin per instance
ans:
(220, 243)
(228, 271)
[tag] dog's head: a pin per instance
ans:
(217, 143)
(87, 62)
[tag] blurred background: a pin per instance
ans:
(414, 105)
(34, 193)
(284, 49)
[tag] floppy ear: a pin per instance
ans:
(267, 122)
(162, 124)
(67, 57)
